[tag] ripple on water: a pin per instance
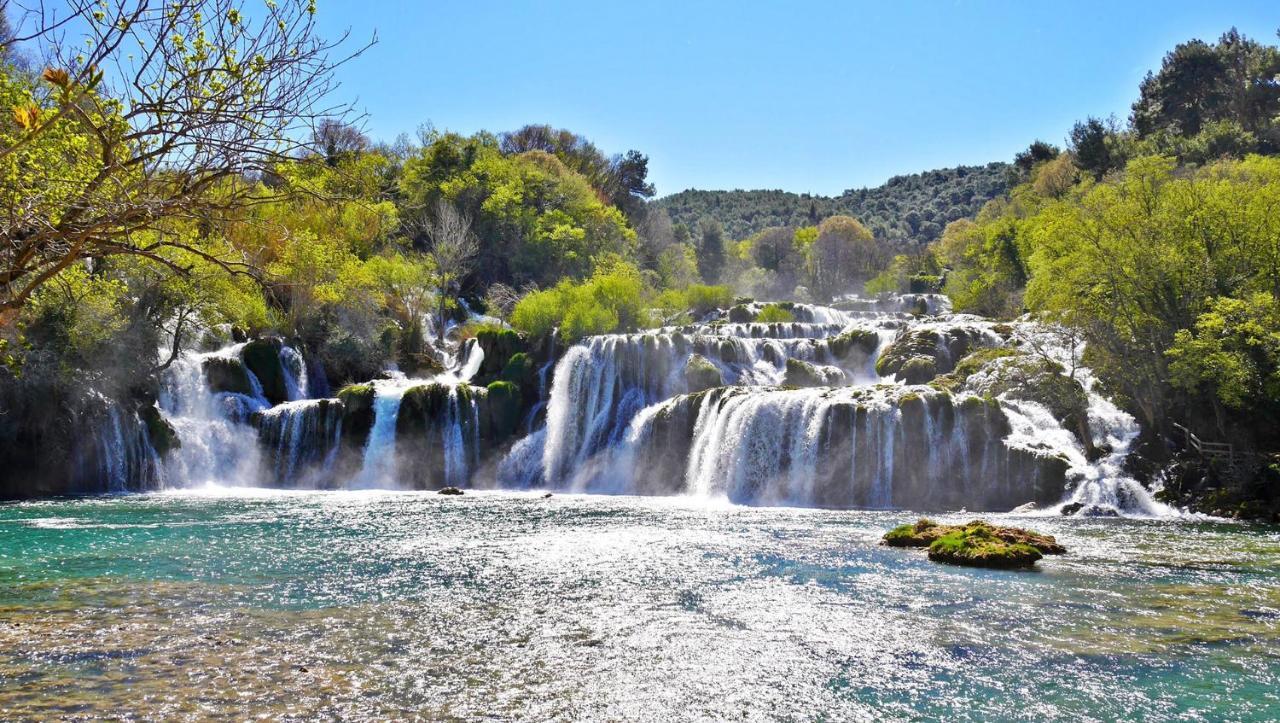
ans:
(377, 605)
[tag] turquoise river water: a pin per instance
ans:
(504, 606)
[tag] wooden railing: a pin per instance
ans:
(1234, 467)
(1208, 450)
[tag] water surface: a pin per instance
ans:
(514, 606)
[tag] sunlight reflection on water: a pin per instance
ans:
(229, 603)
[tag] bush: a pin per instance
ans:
(775, 314)
(613, 299)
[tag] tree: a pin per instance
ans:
(1233, 355)
(114, 142)
(626, 186)
(710, 249)
(1038, 152)
(1089, 144)
(453, 248)
(336, 141)
(1199, 83)
(408, 284)
(841, 255)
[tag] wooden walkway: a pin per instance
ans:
(1237, 466)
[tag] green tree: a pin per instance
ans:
(711, 253)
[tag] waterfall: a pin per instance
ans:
(379, 468)
(119, 456)
(295, 373)
(620, 418)
(219, 447)
(302, 438)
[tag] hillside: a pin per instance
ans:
(915, 206)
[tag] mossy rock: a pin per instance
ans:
(522, 371)
(422, 407)
(700, 374)
(801, 373)
(741, 314)
(357, 412)
(919, 370)
(944, 347)
(920, 533)
(504, 406)
(163, 437)
(863, 341)
(499, 345)
(977, 543)
(1004, 372)
(262, 357)
(978, 548)
(226, 375)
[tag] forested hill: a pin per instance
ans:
(916, 206)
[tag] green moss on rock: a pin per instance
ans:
(919, 370)
(164, 438)
(741, 314)
(500, 345)
(977, 543)
(801, 373)
(357, 412)
(262, 357)
(504, 406)
(226, 375)
(701, 374)
(863, 341)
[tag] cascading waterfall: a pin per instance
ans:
(219, 447)
(620, 419)
(302, 437)
(120, 457)
(826, 410)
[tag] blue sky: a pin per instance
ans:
(815, 97)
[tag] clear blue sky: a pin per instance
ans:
(814, 97)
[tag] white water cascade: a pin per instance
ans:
(621, 418)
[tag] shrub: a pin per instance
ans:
(775, 314)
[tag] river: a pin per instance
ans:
(236, 603)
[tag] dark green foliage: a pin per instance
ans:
(1089, 145)
(710, 249)
(1199, 84)
(1038, 152)
(262, 357)
(936, 198)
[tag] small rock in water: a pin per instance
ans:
(450, 491)
(1072, 508)
(546, 496)
(977, 544)
(1024, 508)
